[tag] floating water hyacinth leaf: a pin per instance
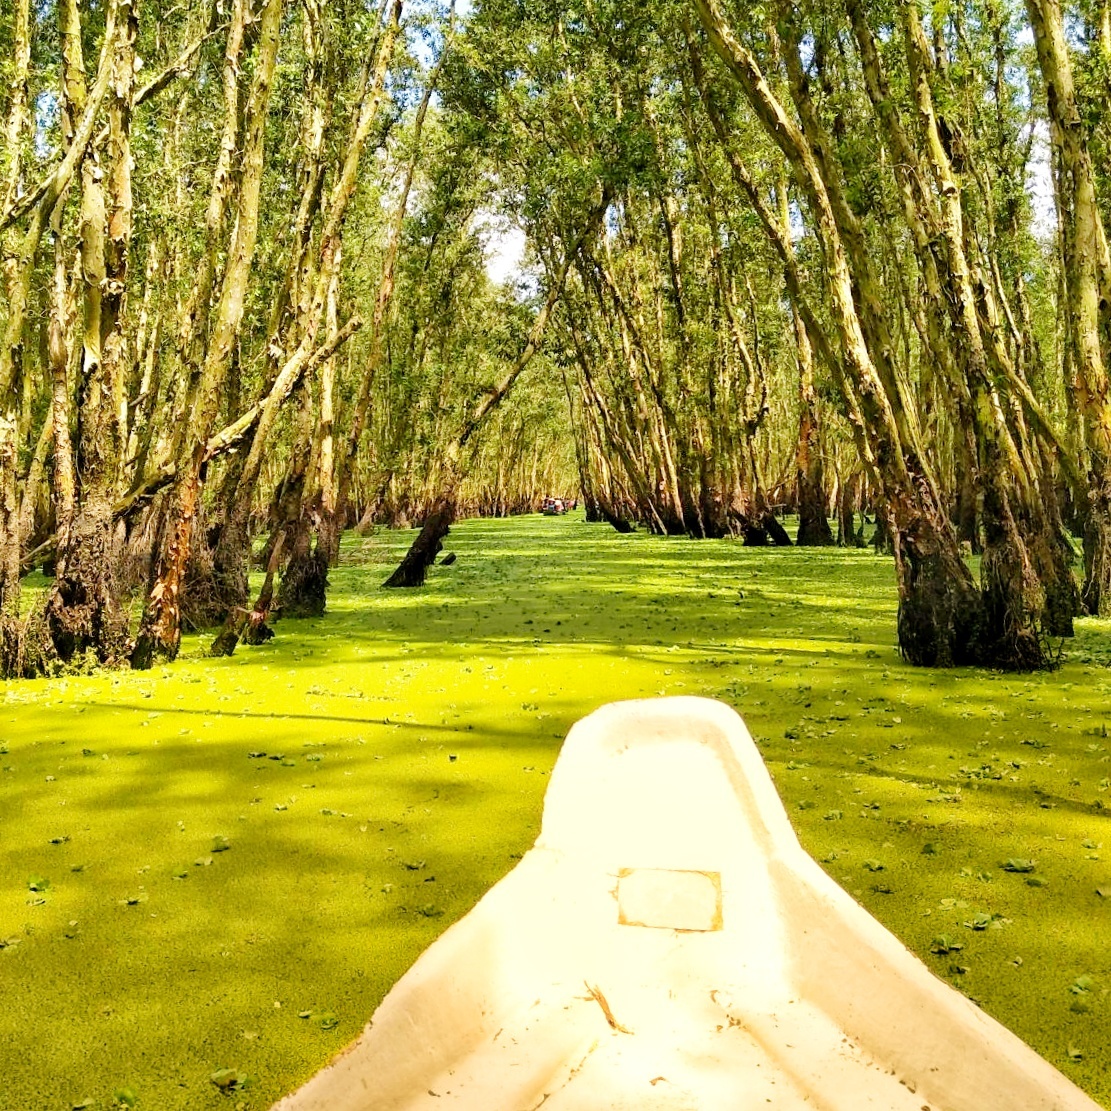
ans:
(281, 806)
(181, 874)
(59, 840)
(1081, 985)
(37, 883)
(84, 1105)
(230, 1080)
(979, 922)
(256, 755)
(125, 1097)
(304, 1014)
(943, 944)
(1017, 864)
(413, 865)
(9, 942)
(833, 816)
(220, 844)
(202, 862)
(327, 1021)
(1074, 1053)
(429, 911)
(1104, 892)
(874, 865)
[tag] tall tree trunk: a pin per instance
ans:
(34, 486)
(82, 609)
(19, 253)
(939, 606)
(1087, 274)
(344, 460)
(814, 530)
(233, 547)
(160, 629)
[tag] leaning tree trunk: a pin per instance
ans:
(250, 624)
(429, 543)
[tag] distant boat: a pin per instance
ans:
(667, 945)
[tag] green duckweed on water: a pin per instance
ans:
(211, 873)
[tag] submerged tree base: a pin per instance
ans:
(413, 569)
(946, 620)
(304, 586)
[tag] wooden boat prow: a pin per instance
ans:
(667, 945)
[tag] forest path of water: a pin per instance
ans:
(224, 864)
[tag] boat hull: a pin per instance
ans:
(667, 945)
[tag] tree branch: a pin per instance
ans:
(51, 188)
(231, 435)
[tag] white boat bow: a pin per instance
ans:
(667, 945)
